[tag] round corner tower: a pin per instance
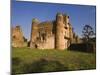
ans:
(59, 35)
(34, 29)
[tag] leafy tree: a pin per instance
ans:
(88, 33)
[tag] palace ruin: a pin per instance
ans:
(57, 34)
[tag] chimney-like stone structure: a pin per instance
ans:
(59, 34)
(34, 32)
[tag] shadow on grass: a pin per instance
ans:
(16, 65)
(50, 65)
(38, 66)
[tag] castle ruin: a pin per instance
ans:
(57, 34)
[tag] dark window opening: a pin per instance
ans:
(36, 46)
(14, 37)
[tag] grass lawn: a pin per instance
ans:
(26, 60)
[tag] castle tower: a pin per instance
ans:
(59, 34)
(34, 34)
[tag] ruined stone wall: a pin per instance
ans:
(17, 37)
(48, 44)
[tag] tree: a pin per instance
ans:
(25, 40)
(88, 33)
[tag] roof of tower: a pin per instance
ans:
(59, 14)
(35, 20)
(17, 26)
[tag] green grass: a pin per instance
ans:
(26, 60)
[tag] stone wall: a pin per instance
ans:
(48, 44)
(41, 35)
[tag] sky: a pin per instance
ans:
(23, 12)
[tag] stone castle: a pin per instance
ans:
(57, 34)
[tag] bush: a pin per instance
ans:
(84, 47)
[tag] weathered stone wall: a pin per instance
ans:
(41, 35)
(17, 37)
(48, 44)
